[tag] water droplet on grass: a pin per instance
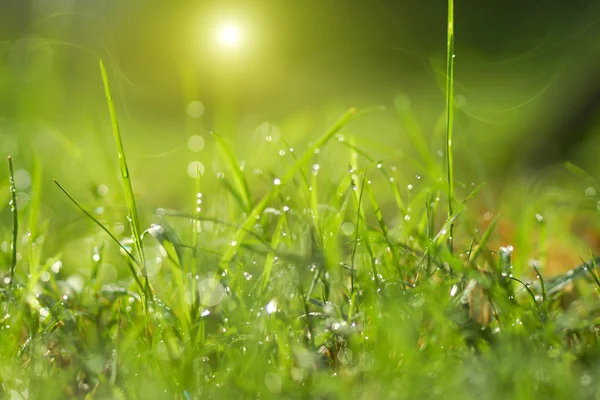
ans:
(56, 267)
(539, 217)
(271, 306)
(315, 169)
(347, 228)
(590, 191)
(453, 290)
(585, 380)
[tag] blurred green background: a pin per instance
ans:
(527, 86)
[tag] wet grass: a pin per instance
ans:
(322, 288)
(314, 292)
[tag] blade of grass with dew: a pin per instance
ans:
(310, 190)
(357, 230)
(271, 256)
(332, 223)
(484, 239)
(167, 242)
(473, 193)
(170, 244)
(593, 272)
(108, 232)
(129, 196)
(384, 229)
(196, 229)
(262, 204)
(557, 283)
(450, 116)
(15, 219)
(360, 214)
(239, 178)
(391, 180)
(233, 192)
(436, 240)
(543, 286)
(291, 257)
(531, 294)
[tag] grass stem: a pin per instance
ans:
(450, 115)
(15, 219)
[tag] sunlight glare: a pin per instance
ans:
(230, 35)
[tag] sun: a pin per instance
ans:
(230, 35)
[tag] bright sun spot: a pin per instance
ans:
(230, 35)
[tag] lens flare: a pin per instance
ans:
(230, 35)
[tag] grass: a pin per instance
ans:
(450, 115)
(319, 289)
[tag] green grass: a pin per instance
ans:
(321, 288)
(450, 115)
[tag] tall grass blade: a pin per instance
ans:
(129, 197)
(357, 230)
(15, 219)
(243, 191)
(450, 115)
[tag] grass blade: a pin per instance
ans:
(472, 257)
(269, 261)
(129, 197)
(593, 271)
(450, 115)
(357, 230)
(239, 178)
(108, 232)
(15, 219)
(574, 169)
(384, 229)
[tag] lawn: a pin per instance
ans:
(303, 268)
